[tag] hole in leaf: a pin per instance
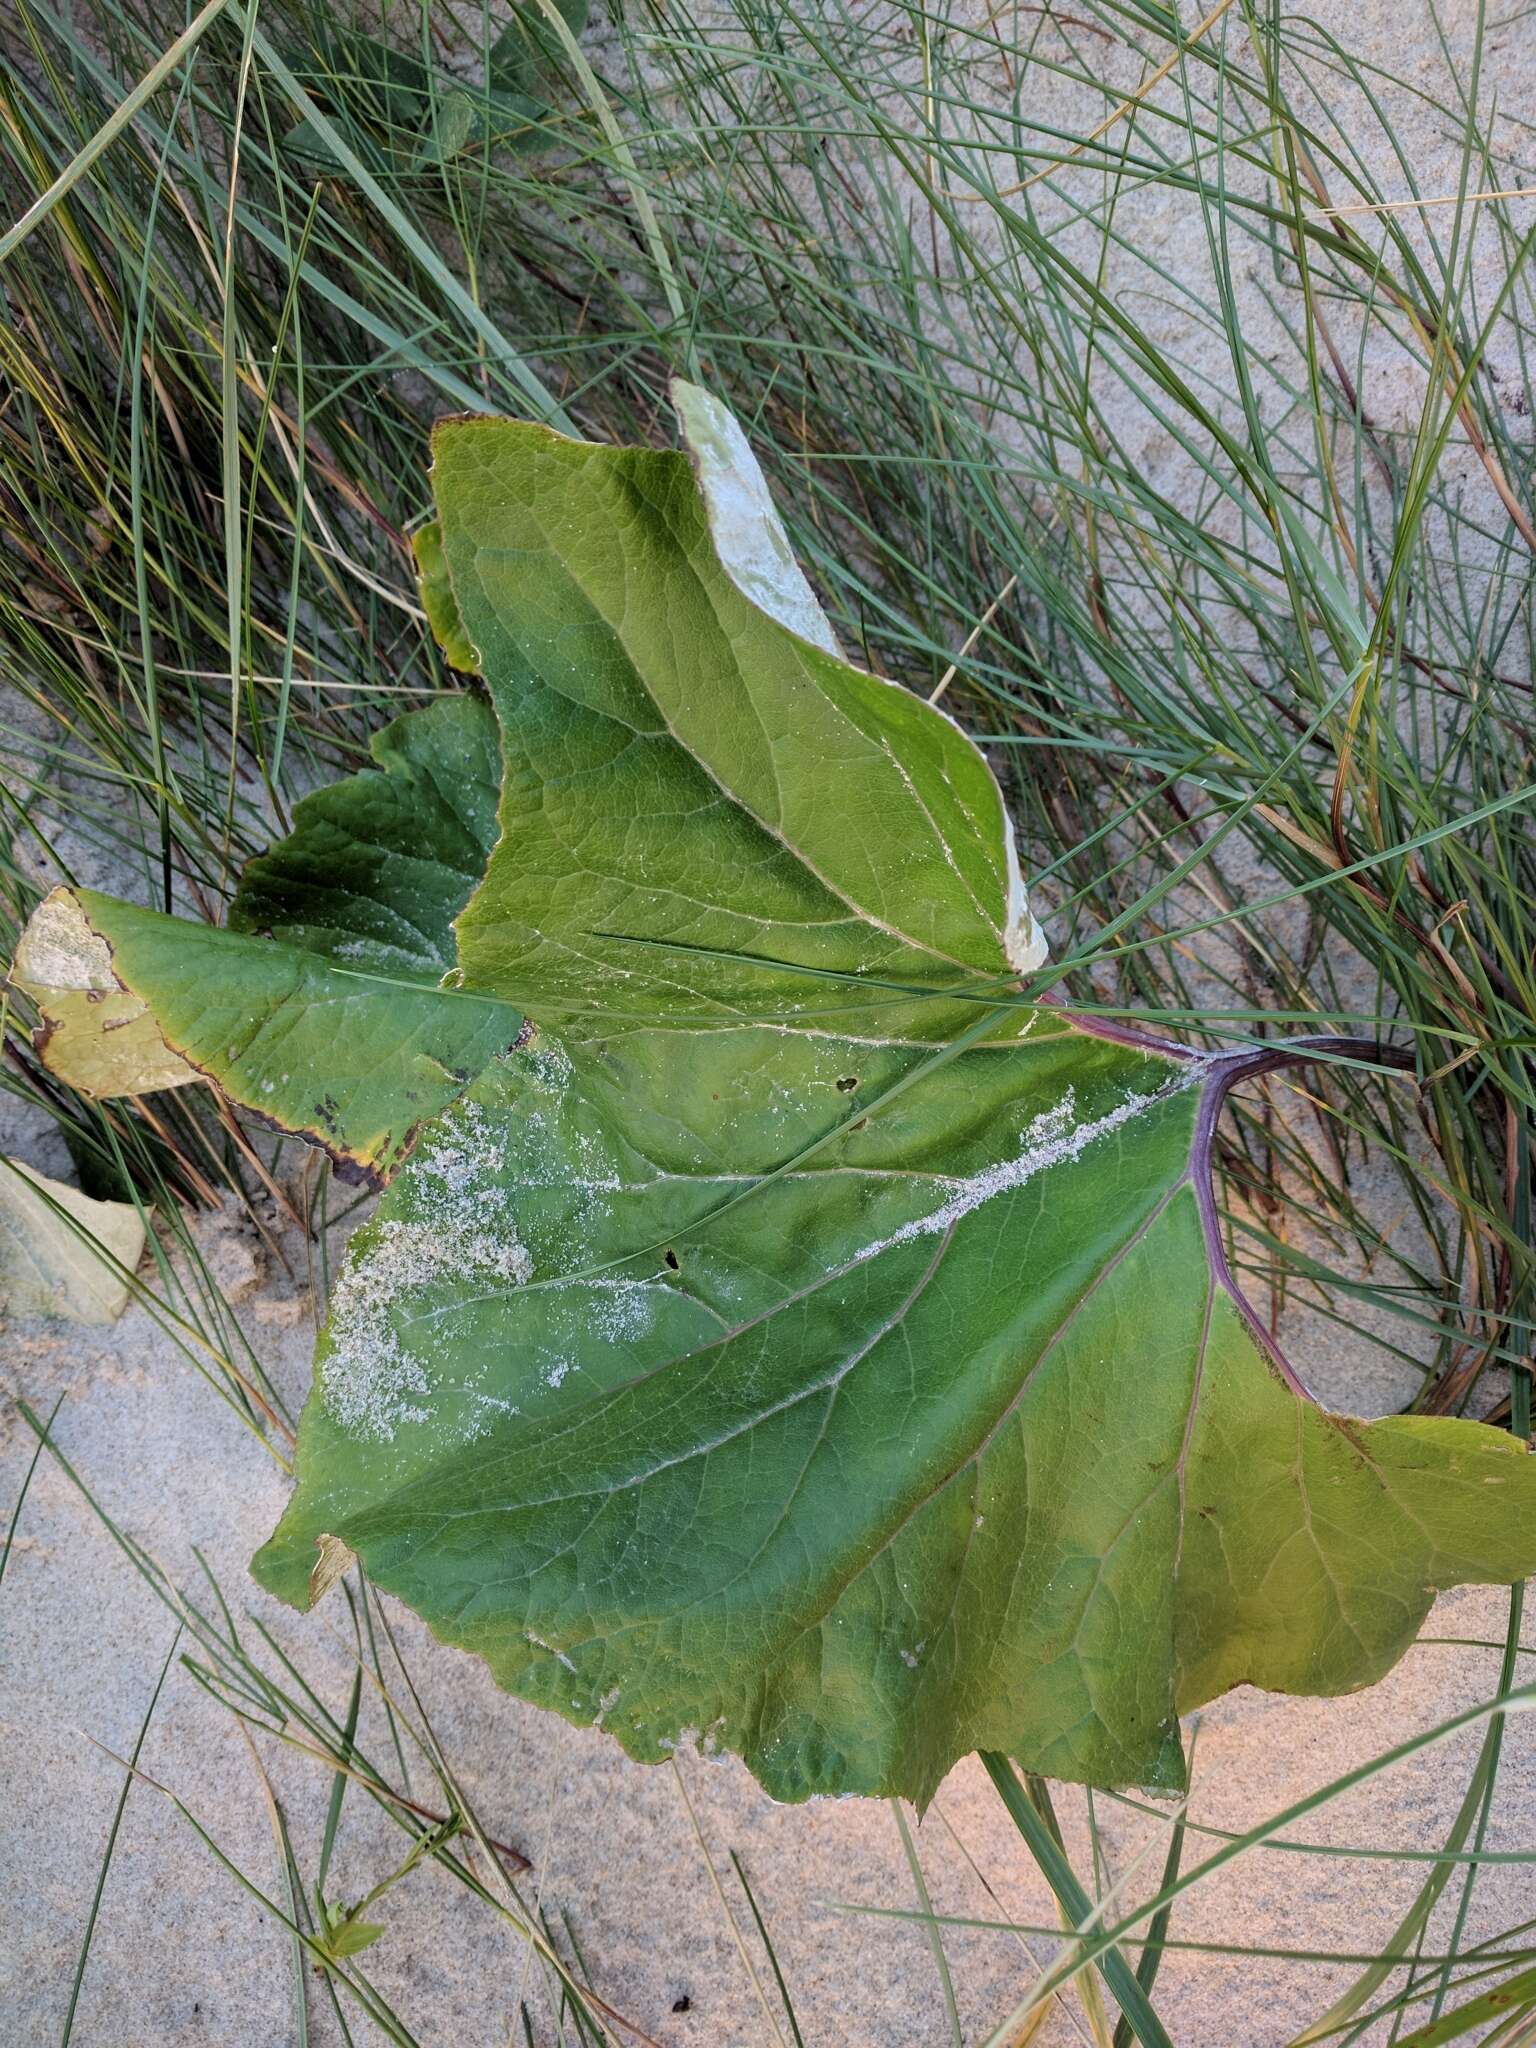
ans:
(670, 1258)
(848, 1083)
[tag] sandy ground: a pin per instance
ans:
(182, 1955)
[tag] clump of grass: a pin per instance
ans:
(1248, 641)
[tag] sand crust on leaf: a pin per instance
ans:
(462, 1230)
(1053, 1138)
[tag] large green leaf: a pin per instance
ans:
(954, 1435)
(318, 1006)
(851, 1376)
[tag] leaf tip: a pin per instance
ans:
(96, 1033)
(1024, 943)
(744, 524)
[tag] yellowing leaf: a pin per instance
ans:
(48, 1264)
(98, 1035)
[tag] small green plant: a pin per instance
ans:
(805, 1333)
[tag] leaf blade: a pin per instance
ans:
(684, 767)
(833, 1486)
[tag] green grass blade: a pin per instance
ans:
(1119, 1978)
